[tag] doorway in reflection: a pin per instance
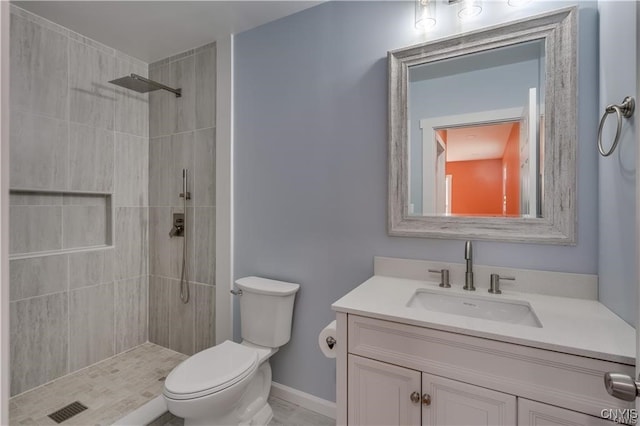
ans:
(487, 164)
(478, 170)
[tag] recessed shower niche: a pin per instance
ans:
(51, 222)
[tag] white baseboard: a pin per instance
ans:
(303, 399)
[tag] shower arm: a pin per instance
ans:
(177, 92)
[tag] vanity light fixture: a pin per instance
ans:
(518, 3)
(468, 8)
(425, 14)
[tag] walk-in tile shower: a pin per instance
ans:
(96, 175)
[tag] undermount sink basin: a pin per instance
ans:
(485, 307)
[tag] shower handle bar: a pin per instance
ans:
(177, 92)
(184, 275)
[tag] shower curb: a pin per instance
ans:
(145, 414)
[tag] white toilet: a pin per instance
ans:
(229, 384)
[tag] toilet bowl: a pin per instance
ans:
(222, 385)
(229, 384)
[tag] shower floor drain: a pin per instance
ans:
(65, 413)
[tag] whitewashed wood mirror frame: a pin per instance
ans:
(557, 224)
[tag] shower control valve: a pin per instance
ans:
(178, 225)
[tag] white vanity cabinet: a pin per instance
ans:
(531, 413)
(385, 394)
(391, 373)
(448, 402)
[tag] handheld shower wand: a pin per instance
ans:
(185, 194)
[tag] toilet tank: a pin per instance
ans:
(266, 310)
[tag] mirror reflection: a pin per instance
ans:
(475, 148)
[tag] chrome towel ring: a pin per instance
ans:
(625, 109)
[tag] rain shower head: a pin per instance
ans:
(143, 85)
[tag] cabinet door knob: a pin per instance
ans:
(426, 399)
(415, 397)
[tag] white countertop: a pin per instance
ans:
(575, 326)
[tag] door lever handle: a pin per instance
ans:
(621, 386)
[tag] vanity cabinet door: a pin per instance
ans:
(448, 402)
(531, 413)
(381, 394)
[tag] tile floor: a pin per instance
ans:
(116, 386)
(284, 414)
(111, 388)
(288, 414)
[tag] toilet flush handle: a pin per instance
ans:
(236, 292)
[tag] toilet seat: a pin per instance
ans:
(211, 371)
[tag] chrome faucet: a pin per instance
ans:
(468, 276)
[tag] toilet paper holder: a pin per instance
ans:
(331, 342)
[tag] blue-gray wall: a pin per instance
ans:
(311, 165)
(617, 173)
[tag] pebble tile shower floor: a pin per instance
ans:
(116, 386)
(110, 389)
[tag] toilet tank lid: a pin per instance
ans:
(267, 286)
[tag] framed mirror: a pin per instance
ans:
(482, 134)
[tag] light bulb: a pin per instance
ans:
(469, 9)
(425, 14)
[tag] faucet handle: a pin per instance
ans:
(444, 277)
(494, 288)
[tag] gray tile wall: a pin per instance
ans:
(39, 340)
(182, 135)
(91, 319)
(73, 131)
(42, 221)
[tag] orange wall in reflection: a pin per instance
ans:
(476, 187)
(511, 160)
